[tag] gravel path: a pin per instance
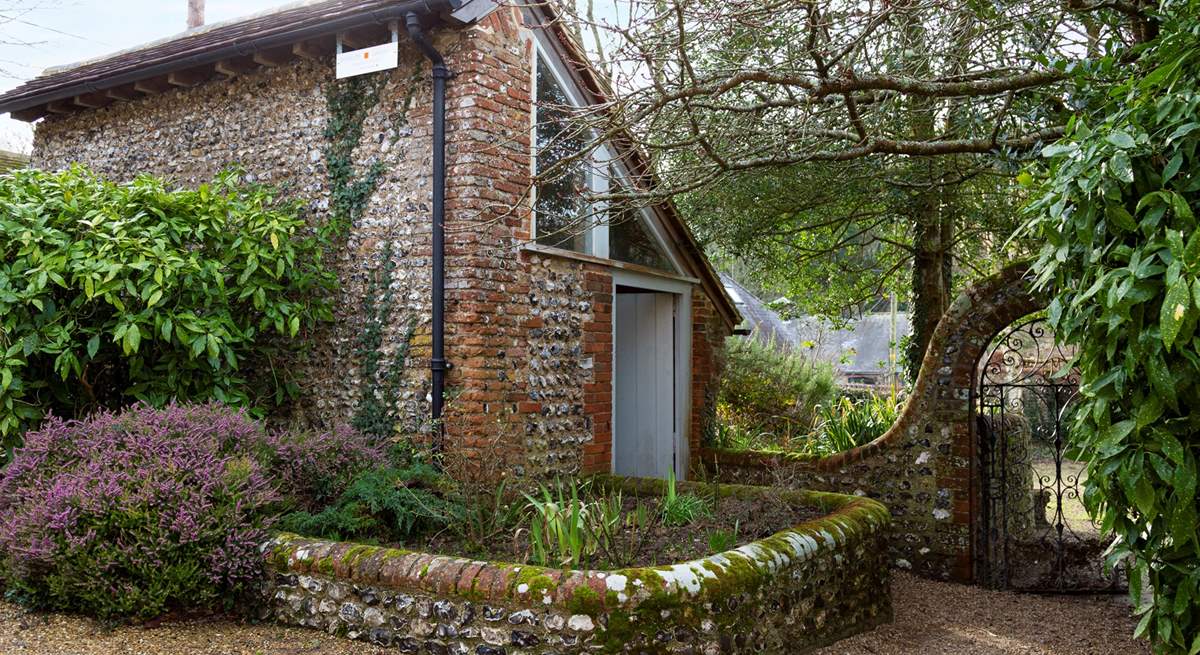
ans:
(22, 633)
(932, 618)
(936, 618)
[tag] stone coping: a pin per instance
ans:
(711, 579)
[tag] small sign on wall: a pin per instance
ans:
(368, 60)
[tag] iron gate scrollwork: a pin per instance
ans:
(1033, 532)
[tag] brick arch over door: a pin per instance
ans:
(923, 467)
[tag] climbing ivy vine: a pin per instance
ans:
(350, 102)
(379, 390)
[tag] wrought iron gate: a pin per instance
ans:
(1033, 532)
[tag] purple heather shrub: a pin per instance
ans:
(130, 514)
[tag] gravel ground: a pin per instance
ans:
(24, 632)
(936, 618)
(932, 618)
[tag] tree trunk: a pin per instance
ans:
(932, 279)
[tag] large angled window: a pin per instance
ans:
(561, 209)
(630, 240)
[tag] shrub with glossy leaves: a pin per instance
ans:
(132, 514)
(1122, 253)
(111, 293)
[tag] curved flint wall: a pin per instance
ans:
(923, 467)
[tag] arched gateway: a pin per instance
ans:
(939, 469)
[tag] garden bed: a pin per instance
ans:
(803, 586)
(639, 535)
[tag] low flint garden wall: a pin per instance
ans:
(803, 587)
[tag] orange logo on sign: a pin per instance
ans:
(366, 55)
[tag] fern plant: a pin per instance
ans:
(387, 503)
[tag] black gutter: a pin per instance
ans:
(384, 16)
(437, 360)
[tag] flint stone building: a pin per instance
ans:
(593, 349)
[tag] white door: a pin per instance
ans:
(644, 407)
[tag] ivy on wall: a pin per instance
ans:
(379, 390)
(350, 102)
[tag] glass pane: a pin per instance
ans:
(561, 211)
(629, 240)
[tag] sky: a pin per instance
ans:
(37, 34)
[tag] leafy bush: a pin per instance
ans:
(1122, 254)
(135, 513)
(763, 389)
(382, 504)
(847, 424)
(113, 292)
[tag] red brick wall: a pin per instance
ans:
(488, 105)
(708, 345)
(529, 336)
(598, 401)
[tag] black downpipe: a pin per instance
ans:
(437, 362)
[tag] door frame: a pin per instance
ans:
(682, 293)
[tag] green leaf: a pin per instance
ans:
(1161, 380)
(1111, 439)
(1191, 252)
(1172, 167)
(1149, 411)
(1120, 139)
(1121, 167)
(1120, 217)
(133, 339)
(154, 298)
(1182, 209)
(1057, 149)
(93, 346)
(6, 378)
(1143, 625)
(1175, 310)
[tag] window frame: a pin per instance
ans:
(597, 236)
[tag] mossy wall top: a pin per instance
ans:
(830, 575)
